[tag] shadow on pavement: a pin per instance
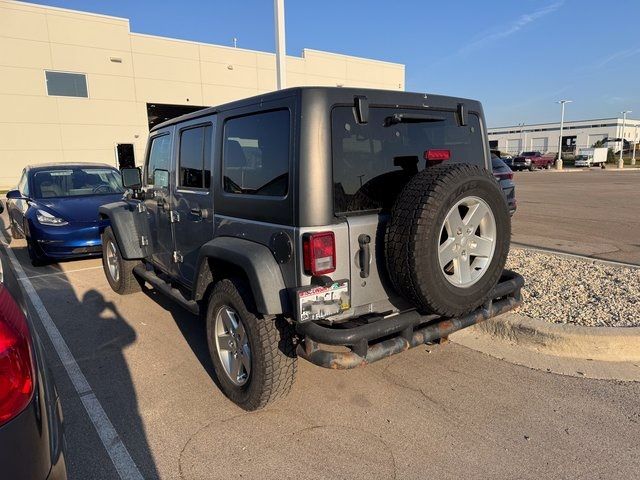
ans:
(97, 335)
(192, 327)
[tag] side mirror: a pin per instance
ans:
(131, 178)
(161, 178)
(15, 195)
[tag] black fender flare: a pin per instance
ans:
(258, 264)
(129, 225)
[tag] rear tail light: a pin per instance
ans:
(504, 176)
(319, 253)
(437, 155)
(16, 365)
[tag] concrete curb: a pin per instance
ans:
(612, 344)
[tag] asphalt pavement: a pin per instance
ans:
(590, 212)
(438, 411)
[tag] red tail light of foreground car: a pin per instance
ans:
(16, 361)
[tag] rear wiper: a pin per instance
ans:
(410, 118)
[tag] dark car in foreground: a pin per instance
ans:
(504, 175)
(31, 432)
(55, 207)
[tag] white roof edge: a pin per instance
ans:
(195, 42)
(304, 50)
(69, 10)
(566, 122)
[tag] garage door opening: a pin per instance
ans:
(161, 112)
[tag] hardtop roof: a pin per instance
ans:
(376, 96)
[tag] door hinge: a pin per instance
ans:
(174, 217)
(177, 257)
(144, 241)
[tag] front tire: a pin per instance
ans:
(15, 233)
(119, 272)
(253, 357)
(38, 258)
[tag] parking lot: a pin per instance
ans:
(591, 212)
(439, 411)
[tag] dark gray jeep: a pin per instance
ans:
(335, 224)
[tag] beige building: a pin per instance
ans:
(76, 86)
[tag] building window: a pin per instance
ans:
(195, 157)
(63, 84)
(256, 154)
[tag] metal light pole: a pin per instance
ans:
(559, 163)
(523, 134)
(635, 141)
(624, 122)
(278, 13)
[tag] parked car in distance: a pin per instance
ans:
(312, 218)
(588, 157)
(31, 431)
(504, 175)
(533, 160)
(55, 207)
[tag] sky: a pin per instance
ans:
(516, 57)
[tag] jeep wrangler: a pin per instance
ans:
(338, 225)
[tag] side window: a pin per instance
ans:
(255, 156)
(195, 157)
(159, 156)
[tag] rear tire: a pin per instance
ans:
(265, 345)
(119, 272)
(424, 230)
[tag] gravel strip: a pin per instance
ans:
(581, 292)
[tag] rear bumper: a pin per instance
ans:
(388, 336)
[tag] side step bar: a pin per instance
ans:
(165, 288)
(385, 337)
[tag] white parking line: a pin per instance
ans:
(112, 443)
(64, 272)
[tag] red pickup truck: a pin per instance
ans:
(533, 160)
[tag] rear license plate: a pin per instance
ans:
(315, 303)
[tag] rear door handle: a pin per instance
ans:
(364, 255)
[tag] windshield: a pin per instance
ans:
(529, 154)
(76, 182)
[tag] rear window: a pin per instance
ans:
(372, 162)
(255, 154)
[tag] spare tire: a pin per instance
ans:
(448, 238)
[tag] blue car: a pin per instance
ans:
(55, 207)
